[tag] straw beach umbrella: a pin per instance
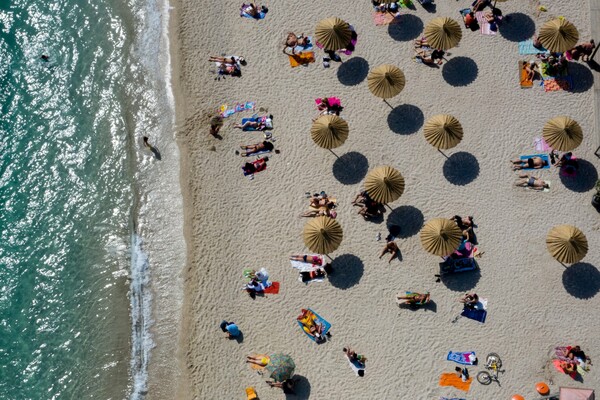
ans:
(562, 133)
(333, 33)
(281, 367)
(329, 131)
(322, 235)
(384, 184)
(443, 131)
(558, 35)
(386, 81)
(442, 33)
(441, 236)
(567, 244)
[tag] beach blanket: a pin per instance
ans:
(557, 366)
(477, 315)
(486, 27)
(299, 49)
(260, 15)
(544, 157)
(226, 111)
(258, 168)
(557, 84)
(523, 77)
(266, 122)
(318, 320)
(451, 379)
(273, 289)
(385, 18)
(304, 58)
(526, 47)
(539, 144)
(451, 265)
(307, 267)
(356, 366)
(464, 358)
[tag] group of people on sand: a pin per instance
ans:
(321, 205)
(572, 359)
(426, 54)
(492, 17)
(566, 162)
(231, 65)
(369, 208)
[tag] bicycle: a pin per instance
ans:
(493, 363)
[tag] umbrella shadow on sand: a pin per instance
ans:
(350, 168)
(301, 388)
(584, 180)
(582, 77)
(517, 27)
(581, 280)
(353, 71)
(405, 119)
(461, 168)
(408, 27)
(461, 281)
(405, 221)
(430, 306)
(460, 71)
(347, 271)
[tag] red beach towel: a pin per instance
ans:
(273, 289)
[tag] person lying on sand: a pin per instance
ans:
(392, 248)
(310, 275)
(480, 5)
(287, 385)
(532, 70)
(430, 58)
(253, 10)
(262, 361)
(532, 182)
(576, 354)
(532, 162)
(326, 211)
(317, 260)
(259, 124)
(257, 165)
(311, 326)
(291, 41)
(251, 149)
(415, 298)
(232, 60)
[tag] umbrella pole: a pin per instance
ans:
(333, 153)
(385, 101)
(563, 264)
(388, 206)
(443, 154)
(330, 259)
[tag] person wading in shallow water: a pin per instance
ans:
(153, 149)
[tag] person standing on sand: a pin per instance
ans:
(216, 123)
(390, 247)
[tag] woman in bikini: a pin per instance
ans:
(262, 361)
(255, 148)
(292, 40)
(317, 260)
(415, 298)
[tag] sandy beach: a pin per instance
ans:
(233, 223)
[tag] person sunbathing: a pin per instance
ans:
(232, 60)
(587, 49)
(422, 42)
(317, 260)
(311, 326)
(361, 199)
(354, 357)
(465, 224)
(414, 298)
(369, 212)
(287, 385)
(308, 276)
(251, 149)
(532, 70)
(256, 166)
(392, 248)
(258, 124)
(470, 300)
(253, 10)
(469, 19)
(325, 107)
(534, 162)
(322, 211)
(430, 58)
(568, 367)
(262, 361)
(576, 354)
(480, 5)
(291, 41)
(532, 182)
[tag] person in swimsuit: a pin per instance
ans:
(576, 354)
(317, 260)
(531, 163)
(250, 149)
(392, 248)
(310, 275)
(532, 182)
(470, 300)
(354, 357)
(255, 166)
(262, 361)
(291, 41)
(311, 326)
(415, 298)
(260, 124)
(233, 60)
(480, 5)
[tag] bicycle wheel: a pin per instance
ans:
(484, 378)
(495, 357)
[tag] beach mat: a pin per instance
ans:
(486, 28)
(451, 379)
(319, 320)
(299, 49)
(477, 315)
(464, 358)
(557, 366)
(526, 47)
(544, 157)
(384, 18)
(558, 84)
(304, 58)
(524, 82)
(273, 289)
(225, 111)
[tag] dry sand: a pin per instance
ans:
(234, 223)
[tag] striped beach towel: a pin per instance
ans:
(486, 28)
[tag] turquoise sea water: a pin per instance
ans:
(69, 131)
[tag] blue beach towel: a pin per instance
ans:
(464, 358)
(319, 320)
(544, 157)
(477, 315)
(260, 15)
(526, 47)
(300, 49)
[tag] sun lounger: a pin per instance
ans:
(544, 157)
(317, 320)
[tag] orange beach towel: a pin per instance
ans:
(525, 83)
(303, 58)
(451, 379)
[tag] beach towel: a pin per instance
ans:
(307, 267)
(526, 47)
(486, 27)
(318, 320)
(260, 15)
(273, 289)
(304, 58)
(385, 18)
(477, 315)
(299, 49)
(523, 77)
(356, 366)
(464, 358)
(557, 84)
(539, 144)
(544, 157)
(258, 168)
(225, 111)
(451, 265)
(451, 379)
(256, 366)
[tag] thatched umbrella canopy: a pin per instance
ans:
(443, 33)
(558, 35)
(567, 244)
(443, 131)
(441, 236)
(329, 131)
(322, 235)
(384, 184)
(562, 133)
(333, 33)
(386, 81)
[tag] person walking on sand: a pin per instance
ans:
(216, 123)
(392, 248)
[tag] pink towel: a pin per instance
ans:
(485, 26)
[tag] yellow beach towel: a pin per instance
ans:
(451, 379)
(303, 58)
